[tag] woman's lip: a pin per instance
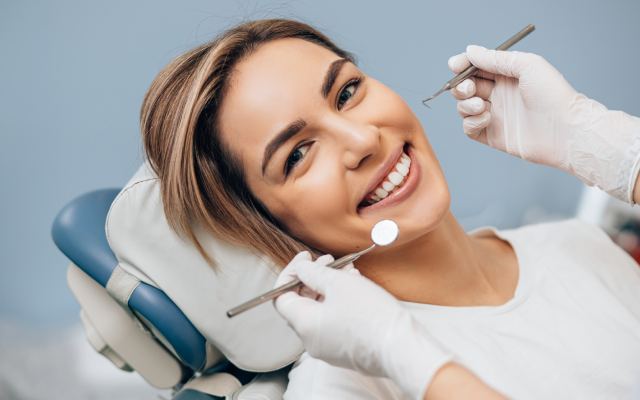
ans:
(397, 196)
(384, 171)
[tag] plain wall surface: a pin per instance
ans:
(73, 75)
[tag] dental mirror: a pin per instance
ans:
(383, 233)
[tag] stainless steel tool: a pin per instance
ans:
(471, 70)
(383, 233)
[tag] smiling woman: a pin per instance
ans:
(202, 180)
(271, 137)
(347, 136)
(283, 144)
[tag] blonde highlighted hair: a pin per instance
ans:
(200, 179)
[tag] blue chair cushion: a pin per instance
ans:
(78, 231)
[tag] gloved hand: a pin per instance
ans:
(349, 321)
(522, 105)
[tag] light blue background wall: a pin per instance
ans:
(73, 74)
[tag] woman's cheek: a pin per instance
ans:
(389, 107)
(317, 210)
(323, 196)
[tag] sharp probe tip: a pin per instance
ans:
(436, 94)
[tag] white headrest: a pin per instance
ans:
(259, 339)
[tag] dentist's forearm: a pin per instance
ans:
(453, 381)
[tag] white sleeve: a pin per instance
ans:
(616, 269)
(605, 246)
(313, 379)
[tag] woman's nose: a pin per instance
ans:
(359, 143)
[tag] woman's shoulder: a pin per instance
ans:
(559, 233)
(573, 225)
(570, 239)
(314, 379)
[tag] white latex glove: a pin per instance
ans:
(522, 105)
(349, 321)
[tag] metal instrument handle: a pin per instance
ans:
(294, 284)
(472, 69)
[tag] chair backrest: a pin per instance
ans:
(78, 231)
(165, 348)
(148, 334)
(146, 248)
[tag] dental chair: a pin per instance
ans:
(151, 304)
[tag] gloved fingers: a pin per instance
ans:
(289, 272)
(295, 308)
(507, 63)
(464, 89)
(350, 268)
(460, 62)
(484, 87)
(317, 277)
(324, 259)
(476, 124)
(480, 137)
(472, 106)
(485, 75)
(354, 271)
(303, 255)
(305, 290)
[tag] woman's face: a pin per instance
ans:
(316, 135)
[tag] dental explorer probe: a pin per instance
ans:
(383, 233)
(472, 69)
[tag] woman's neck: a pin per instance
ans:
(445, 267)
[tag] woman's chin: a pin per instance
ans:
(422, 220)
(421, 206)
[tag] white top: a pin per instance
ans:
(571, 331)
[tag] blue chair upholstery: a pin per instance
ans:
(78, 231)
(190, 394)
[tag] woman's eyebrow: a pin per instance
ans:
(296, 126)
(330, 77)
(281, 138)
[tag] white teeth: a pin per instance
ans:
(393, 180)
(381, 193)
(403, 169)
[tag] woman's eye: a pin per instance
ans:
(346, 94)
(296, 155)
